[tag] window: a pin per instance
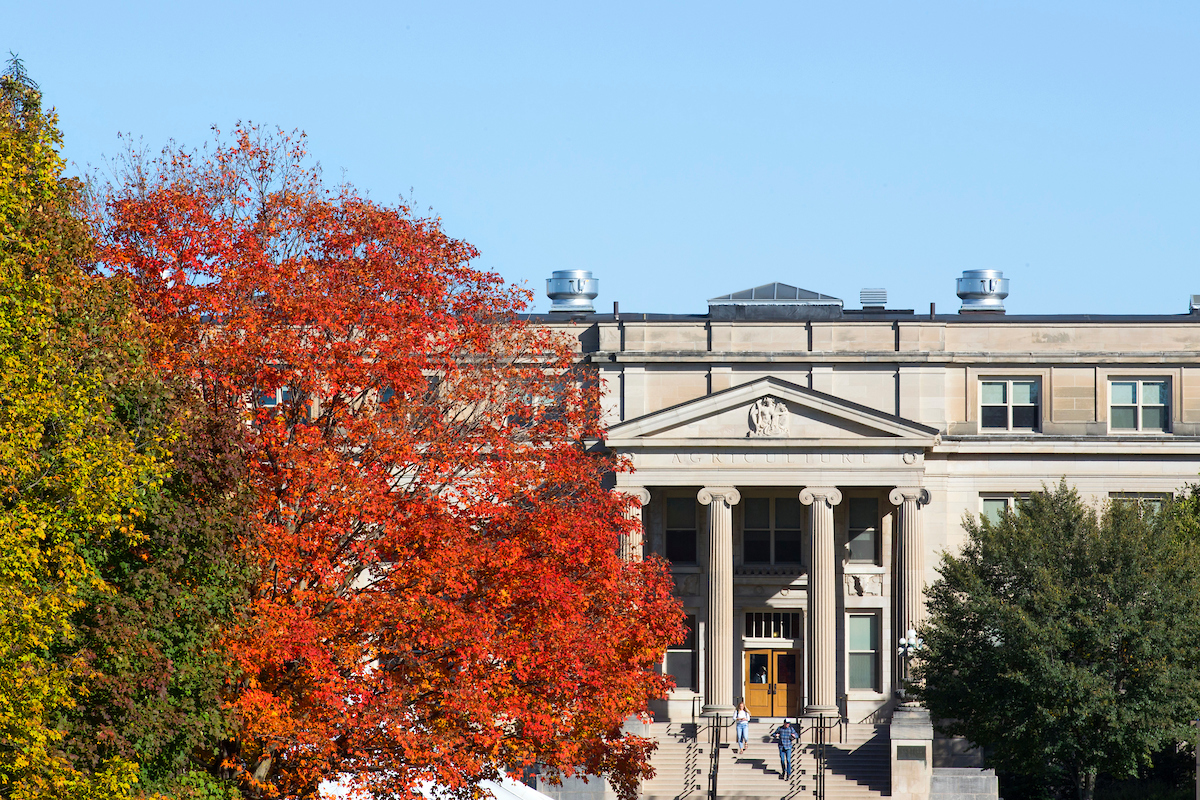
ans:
(863, 638)
(681, 530)
(1139, 405)
(1009, 405)
(772, 625)
(993, 506)
(681, 659)
(1149, 501)
(863, 538)
(771, 530)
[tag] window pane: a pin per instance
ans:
(681, 512)
(785, 667)
(756, 547)
(787, 512)
(995, 393)
(681, 547)
(1024, 393)
(690, 642)
(758, 512)
(1124, 418)
(864, 512)
(1124, 393)
(787, 547)
(864, 632)
(679, 663)
(993, 508)
(758, 667)
(862, 545)
(1025, 417)
(1154, 418)
(995, 417)
(862, 671)
(1154, 393)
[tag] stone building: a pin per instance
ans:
(802, 465)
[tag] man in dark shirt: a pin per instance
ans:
(785, 734)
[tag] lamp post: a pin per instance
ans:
(910, 646)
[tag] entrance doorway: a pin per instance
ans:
(773, 683)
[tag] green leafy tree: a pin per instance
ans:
(1063, 639)
(71, 476)
(120, 507)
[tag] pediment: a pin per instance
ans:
(768, 411)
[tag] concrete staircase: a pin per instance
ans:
(857, 769)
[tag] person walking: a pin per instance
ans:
(742, 719)
(785, 735)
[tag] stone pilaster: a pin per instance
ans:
(632, 545)
(822, 600)
(910, 558)
(718, 651)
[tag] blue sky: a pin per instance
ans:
(685, 150)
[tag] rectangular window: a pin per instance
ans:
(1149, 501)
(863, 537)
(994, 508)
(772, 625)
(681, 661)
(863, 639)
(681, 530)
(1136, 405)
(771, 530)
(1009, 405)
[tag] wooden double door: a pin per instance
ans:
(774, 687)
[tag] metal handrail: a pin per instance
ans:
(714, 740)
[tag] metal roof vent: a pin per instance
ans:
(1194, 305)
(572, 290)
(982, 290)
(873, 298)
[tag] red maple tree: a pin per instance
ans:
(438, 595)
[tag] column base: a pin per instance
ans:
(825, 711)
(717, 711)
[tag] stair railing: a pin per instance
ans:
(714, 761)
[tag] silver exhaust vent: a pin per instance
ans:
(982, 290)
(872, 298)
(572, 290)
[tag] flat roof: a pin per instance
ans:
(853, 315)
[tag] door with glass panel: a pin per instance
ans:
(773, 687)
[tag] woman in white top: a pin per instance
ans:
(742, 718)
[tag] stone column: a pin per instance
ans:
(910, 558)
(718, 651)
(822, 600)
(632, 545)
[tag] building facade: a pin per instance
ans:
(802, 466)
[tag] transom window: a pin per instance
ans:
(772, 625)
(1137, 405)
(681, 530)
(1009, 405)
(863, 537)
(863, 639)
(771, 530)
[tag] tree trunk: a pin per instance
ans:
(1085, 782)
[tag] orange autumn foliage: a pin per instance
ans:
(439, 595)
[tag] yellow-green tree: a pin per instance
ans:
(73, 472)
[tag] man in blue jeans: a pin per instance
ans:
(785, 734)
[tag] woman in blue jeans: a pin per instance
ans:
(742, 718)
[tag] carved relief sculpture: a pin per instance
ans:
(769, 416)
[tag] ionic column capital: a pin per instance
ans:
(641, 493)
(825, 494)
(726, 494)
(901, 493)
